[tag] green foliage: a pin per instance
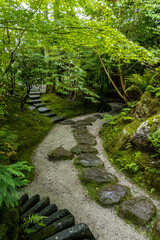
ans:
(12, 177)
(35, 219)
(155, 140)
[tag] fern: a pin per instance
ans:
(12, 177)
(35, 219)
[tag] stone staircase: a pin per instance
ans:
(35, 102)
(57, 224)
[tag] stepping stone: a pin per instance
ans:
(49, 114)
(79, 148)
(43, 109)
(31, 107)
(113, 194)
(37, 208)
(67, 122)
(89, 160)
(99, 116)
(37, 105)
(56, 119)
(138, 210)
(58, 226)
(34, 101)
(59, 154)
(34, 96)
(79, 231)
(34, 92)
(86, 139)
(30, 203)
(99, 175)
(86, 121)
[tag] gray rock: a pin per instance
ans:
(80, 148)
(86, 121)
(31, 107)
(68, 122)
(99, 116)
(56, 119)
(43, 109)
(60, 154)
(49, 114)
(138, 210)
(30, 203)
(34, 101)
(84, 137)
(34, 96)
(99, 175)
(37, 105)
(89, 160)
(113, 194)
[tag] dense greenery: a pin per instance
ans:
(86, 52)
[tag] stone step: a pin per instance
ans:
(37, 105)
(43, 109)
(57, 119)
(79, 231)
(30, 203)
(34, 93)
(49, 114)
(31, 107)
(24, 198)
(34, 96)
(34, 101)
(37, 208)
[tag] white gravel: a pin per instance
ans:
(60, 182)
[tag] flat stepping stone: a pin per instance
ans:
(37, 105)
(80, 148)
(34, 93)
(31, 107)
(98, 116)
(56, 119)
(34, 96)
(79, 231)
(43, 109)
(99, 175)
(89, 160)
(86, 121)
(59, 154)
(49, 114)
(113, 194)
(68, 122)
(86, 140)
(34, 101)
(138, 210)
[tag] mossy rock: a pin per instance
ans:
(147, 106)
(134, 92)
(59, 154)
(10, 224)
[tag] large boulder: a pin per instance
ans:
(60, 154)
(99, 175)
(113, 194)
(138, 210)
(147, 106)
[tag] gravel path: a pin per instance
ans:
(60, 182)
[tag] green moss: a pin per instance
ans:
(9, 224)
(67, 108)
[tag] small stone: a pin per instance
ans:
(56, 119)
(43, 109)
(138, 210)
(113, 194)
(34, 96)
(31, 107)
(99, 175)
(67, 122)
(98, 116)
(59, 154)
(89, 160)
(79, 148)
